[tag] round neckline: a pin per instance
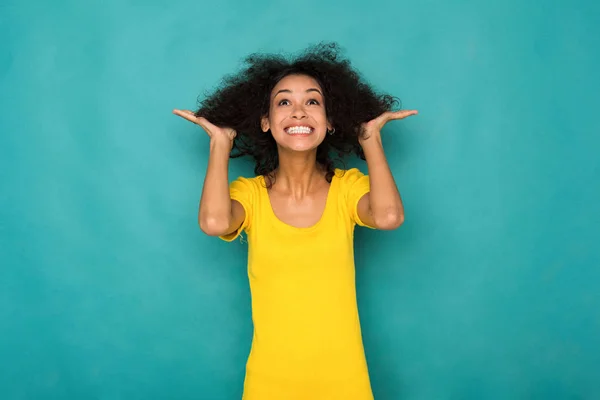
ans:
(324, 215)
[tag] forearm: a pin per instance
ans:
(385, 203)
(214, 215)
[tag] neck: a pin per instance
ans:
(298, 173)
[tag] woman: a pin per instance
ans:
(299, 213)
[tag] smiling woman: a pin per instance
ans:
(299, 213)
(297, 118)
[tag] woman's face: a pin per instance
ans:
(297, 117)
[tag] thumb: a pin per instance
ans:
(206, 124)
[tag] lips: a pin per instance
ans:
(299, 130)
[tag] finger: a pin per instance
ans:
(190, 116)
(403, 114)
(206, 124)
(383, 118)
(177, 111)
(187, 114)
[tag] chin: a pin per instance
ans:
(302, 145)
(303, 149)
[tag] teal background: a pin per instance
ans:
(109, 290)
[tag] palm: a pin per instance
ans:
(379, 122)
(211, 129)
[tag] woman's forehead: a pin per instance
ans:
(297, 83)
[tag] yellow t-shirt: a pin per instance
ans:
(307, 341)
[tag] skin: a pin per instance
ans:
(300, 190)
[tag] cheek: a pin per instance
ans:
(322, 115)
(275, 117)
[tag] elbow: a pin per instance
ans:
(213, 226)
(390, 221)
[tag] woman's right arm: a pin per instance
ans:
(218, 215)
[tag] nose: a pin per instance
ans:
(298, 112)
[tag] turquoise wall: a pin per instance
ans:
(109, 290)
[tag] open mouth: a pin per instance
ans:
(299, 130)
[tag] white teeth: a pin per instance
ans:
(299, 130)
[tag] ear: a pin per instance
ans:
(329, 125)
(264, 124)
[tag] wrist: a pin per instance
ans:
(370, 139)
(220, 144)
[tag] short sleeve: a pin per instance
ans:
(356, 185)
(241, 190)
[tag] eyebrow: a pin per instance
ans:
(307, 91)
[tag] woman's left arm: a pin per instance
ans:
(382, 207)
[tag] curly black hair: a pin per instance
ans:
(242, 99)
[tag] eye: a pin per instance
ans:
(313, 102)
(283, 102)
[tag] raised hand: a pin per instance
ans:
(376, 124)
(213, 131)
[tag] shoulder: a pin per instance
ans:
(245, 190)
(247, 184)
(349, 177)
(353, 185)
